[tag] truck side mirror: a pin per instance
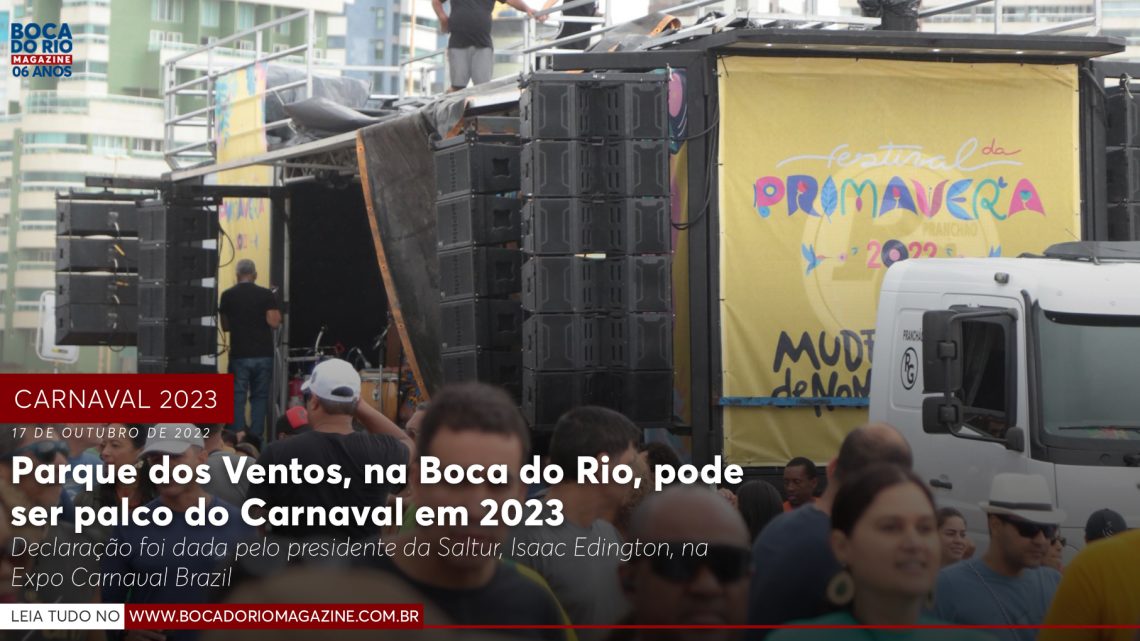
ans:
(1015, 439)
(941, 352)
(941, 414)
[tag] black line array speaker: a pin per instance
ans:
(637, 341)
(501, 367)
(96, 280)
(559, 226)
(638, 284)
(96, 289)
(546, 395)
(176, 224)
(1123, 174)
(116, 255)
(482, 323)
(1123, 118)
(477, 219)
(176, 263)
(562, 342)
(177, 255)
(597, 279)
(479, 271)
(159, 300)
(562, 284)
(176, 340)
(573, 168)
(1122, 169)
(1124, 221)
(646, 397)
(478, 232)
(476, 165)
(566, 106)
(96, 218)
(85, 324)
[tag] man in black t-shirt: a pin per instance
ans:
(334, 400)
(470, 52)
(250, 314)
(457, 566)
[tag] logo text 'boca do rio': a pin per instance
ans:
(41, 50)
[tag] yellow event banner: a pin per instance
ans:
(832, 170)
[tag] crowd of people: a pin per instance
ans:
(861, 543)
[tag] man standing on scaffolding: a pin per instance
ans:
(470, 51)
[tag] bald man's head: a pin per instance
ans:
(702, 579)
(683, 513)
(870, 444)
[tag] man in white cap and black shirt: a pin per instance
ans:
(1008, 585)
(157, 575)
(333, 393)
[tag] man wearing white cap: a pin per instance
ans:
(1009, 585)
(173, 444)
(333, 402)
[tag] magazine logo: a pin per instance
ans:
(41, 50)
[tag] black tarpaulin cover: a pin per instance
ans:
(397, 173)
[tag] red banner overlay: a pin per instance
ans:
(56, 59)
(312, 616)
(116, 398)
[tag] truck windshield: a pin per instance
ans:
(1090, 365)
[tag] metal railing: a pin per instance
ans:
(1094, 20)
(532, 49)
(192, 104)
(190, 77)
(526, 50)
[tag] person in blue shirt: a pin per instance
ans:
(162, 577)
(1009, 585)
(884, 534)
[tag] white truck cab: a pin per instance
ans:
(1027, 365)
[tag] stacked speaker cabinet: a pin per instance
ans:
(177, 253)
(596, 284)
(96, 261)
(477, 225)
(1123, 168)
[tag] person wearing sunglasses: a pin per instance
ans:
(1054, 558)
(682, 589)
(884, 533)
(1009, 585)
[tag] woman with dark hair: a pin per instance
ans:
(884, 533)
(758, 502)
(952, 532)
(123, 449)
